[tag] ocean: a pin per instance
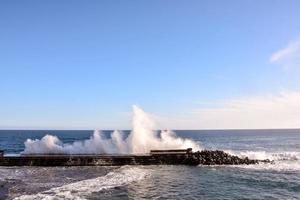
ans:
(280, 180)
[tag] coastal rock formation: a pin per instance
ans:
(206, 157)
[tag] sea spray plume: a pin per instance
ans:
(48, 144)
(143, 138)
(119, 143)
(96, 144)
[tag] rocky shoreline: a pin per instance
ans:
(217, 157)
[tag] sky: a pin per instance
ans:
(193, 64)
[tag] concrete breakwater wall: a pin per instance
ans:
(155, 157)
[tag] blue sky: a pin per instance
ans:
(82, 64)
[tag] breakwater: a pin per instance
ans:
(155, 157)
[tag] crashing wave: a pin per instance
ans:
(142, 139)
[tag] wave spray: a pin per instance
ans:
(141, 139)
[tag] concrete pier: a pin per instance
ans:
(155, 157)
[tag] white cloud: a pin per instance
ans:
(272, 111)
(289, 56)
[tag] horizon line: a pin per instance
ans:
(218, 129)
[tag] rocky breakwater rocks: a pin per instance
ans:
(217, 157)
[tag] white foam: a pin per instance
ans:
(262, 155)
(283, 161)
(142, 139)
(82, 189)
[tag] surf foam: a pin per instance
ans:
(142, 139)
(82, 189)
(284, 161)
(262, 155)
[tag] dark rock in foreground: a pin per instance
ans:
(156, 157)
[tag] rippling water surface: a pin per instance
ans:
(265, 181)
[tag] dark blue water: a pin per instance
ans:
(265, 181)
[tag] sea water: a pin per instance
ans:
(280, 180)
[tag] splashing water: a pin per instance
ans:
(262, 155)
(284, 161)
(142, 139)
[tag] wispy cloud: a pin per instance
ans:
(289, 56)
(272, 111)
